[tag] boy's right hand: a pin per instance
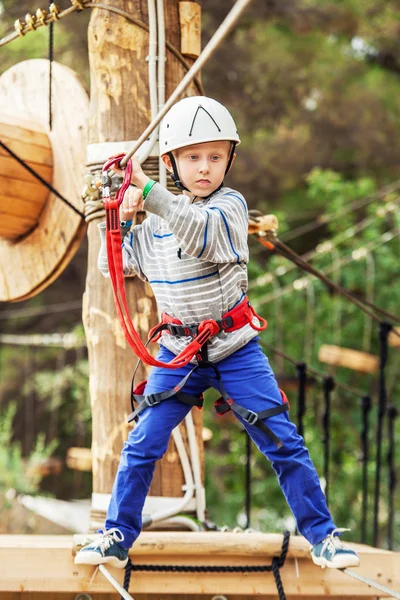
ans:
(132, 203)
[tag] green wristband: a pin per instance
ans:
(147, 188)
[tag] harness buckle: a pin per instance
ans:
(182, 330)
(152, 400)
(251, 417)
(226, 323)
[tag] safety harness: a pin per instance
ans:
(236, 318)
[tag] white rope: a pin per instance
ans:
(115, 583)
(222, 31)
(371, 583)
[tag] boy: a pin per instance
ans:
(193, 251)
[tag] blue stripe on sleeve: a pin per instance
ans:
(239, 198)
(227, 230)
(205, 236)
(183, 280)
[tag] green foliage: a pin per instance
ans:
(17, 474)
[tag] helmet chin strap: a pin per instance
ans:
(175, 175)
(181, 186)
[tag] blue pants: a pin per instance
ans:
(249, 380)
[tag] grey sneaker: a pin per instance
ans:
(105, 550)
(333, 554)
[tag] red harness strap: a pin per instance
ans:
(205, 330)
(236, 318)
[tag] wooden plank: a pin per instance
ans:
(12, 226)
(394, 338)
(32, 191)
(68, 596)
(190, 24)
(12, 169)
(26, 151)
(350, 359)
(16, 127)
(19, 207)
(45, 564)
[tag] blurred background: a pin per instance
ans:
(314, 86)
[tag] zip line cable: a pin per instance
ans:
(371, 247)
(296, 259)
(325, 219)
(20, 313)
(45, 19)
(362, 303)
(330, 244)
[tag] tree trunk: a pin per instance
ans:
(120, 111)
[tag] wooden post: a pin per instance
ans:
(120, 111)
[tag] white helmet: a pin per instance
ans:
(195, 120)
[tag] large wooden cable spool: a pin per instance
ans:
(39, 234)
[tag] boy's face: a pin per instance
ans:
(201, 166)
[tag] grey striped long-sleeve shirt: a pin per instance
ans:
(195, 258)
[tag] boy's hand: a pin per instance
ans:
(132, 203)
(138, 176)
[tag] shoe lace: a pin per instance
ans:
(332, 541)
(108, 537)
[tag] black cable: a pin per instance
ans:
(40, 178)
(328, 386)
(301, 395)
(51, 58)
(392, 414)
(365, 408)
(384, 329)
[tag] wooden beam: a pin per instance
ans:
(348, 358)
(33, 564)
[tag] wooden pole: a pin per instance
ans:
(120, 111)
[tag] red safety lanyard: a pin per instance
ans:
(115, 265)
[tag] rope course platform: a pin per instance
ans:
(33, 565)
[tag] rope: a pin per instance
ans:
(392, 414)
(368, 248)
(227, 24)
(384, 329)
(361, 303)
(46, 19)
(365, 409)
(330, 245)
(40, 178)
(127, 576)
(371, 583)
(328, 387)
(276, 564)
